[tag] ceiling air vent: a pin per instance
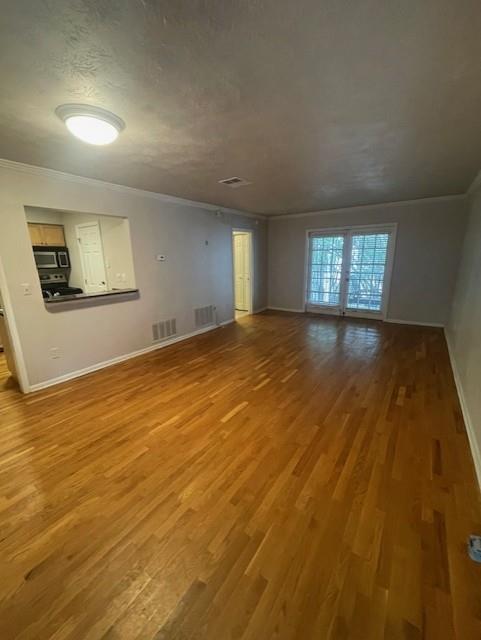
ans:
(234, 182)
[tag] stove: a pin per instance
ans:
(55, 284)
(55, 292)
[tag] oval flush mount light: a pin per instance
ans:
(91, 124)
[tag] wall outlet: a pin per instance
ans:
(54, 353)
(26, 289)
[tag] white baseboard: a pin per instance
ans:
(221, 324)
(393, 320)
(415, 322)
(270, 308)
(473, 443)
(260, 310)
(107, 363)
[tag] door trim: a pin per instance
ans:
(250, 234)
(390, 227)
(11, 327)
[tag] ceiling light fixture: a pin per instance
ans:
(91, 124)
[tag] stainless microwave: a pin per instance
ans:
(51, 258)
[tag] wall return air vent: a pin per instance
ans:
(234, 182)
(204, 316)
(164, 329)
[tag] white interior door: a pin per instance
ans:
(92, 257)
(349, 271)
(242, 275)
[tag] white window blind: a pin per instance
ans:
(366, 275)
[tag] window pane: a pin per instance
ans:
(325, 270)
(366, 281)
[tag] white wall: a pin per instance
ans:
(428, 246)
(464, 328)
(195, 273)
(43, 215)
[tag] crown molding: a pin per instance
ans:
(21, 167)
(475, 184)
(363, 207)
(31, 169)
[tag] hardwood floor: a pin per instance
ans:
(286, 477)
(7, 383)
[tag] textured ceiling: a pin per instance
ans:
(319, 103)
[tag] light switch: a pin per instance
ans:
(26, 289)
(160, 257)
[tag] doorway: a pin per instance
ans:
(92, 257)
(242, 269)
(8, 369)
(349, 270)
(13, 375)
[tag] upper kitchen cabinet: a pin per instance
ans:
(50, 235)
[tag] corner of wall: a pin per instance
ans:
(471, 433)
(462, 330)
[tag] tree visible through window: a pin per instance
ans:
(326, 269)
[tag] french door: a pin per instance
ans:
(349, 270)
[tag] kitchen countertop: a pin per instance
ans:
(86, 296)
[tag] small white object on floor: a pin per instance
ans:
(474, 548)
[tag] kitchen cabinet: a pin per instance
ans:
(35, 231)
(50, 235)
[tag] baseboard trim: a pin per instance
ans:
(260, 310)
(415, 322)
(224, 323)
(392, 320)
(473, 443)
(133, 354)
(270, 308)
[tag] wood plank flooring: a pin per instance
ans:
(286, 477)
